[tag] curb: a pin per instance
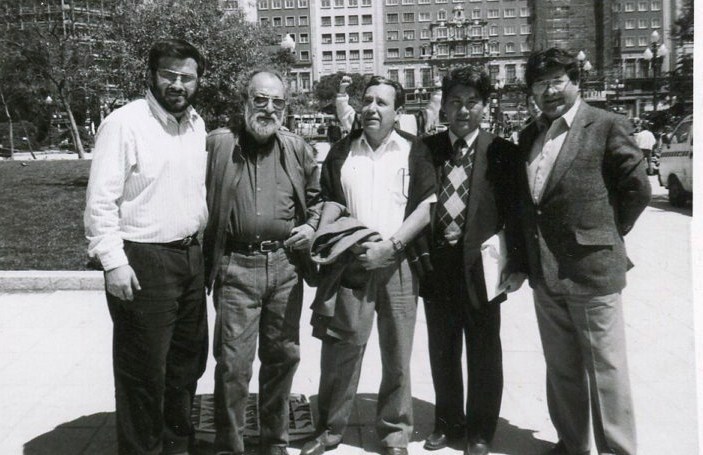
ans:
(48, 281)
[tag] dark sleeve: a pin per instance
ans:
(627, 175)
(313, 196)
(422, 175)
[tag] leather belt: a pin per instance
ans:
(267, 246)
(181, 244)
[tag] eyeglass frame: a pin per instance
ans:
(540, 87)
(168, 75)
(269, 99)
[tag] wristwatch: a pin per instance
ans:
(398, 246)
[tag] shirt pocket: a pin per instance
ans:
(398, 184)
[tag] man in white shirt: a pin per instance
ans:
(385, 179)
(646, 142)
(145, 207)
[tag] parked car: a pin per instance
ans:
(676, 163)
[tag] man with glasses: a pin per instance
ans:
(263, 196)
(583, 186)
(475, 201)
(145, 207)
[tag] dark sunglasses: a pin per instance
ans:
(262, 102)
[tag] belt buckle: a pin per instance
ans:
(187, 241)
(267, 246)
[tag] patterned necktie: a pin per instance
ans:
(454, 192)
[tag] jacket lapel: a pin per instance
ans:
(478, 174)
(230, 179)
(290, 164)
(571, 147)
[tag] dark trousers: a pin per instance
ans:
(160, 346)
(257, 296)
(450, 318)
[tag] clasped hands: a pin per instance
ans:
(374, 255)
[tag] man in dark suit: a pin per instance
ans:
(263, 198)
(583, 185)
(474, 200)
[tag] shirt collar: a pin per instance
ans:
(190, 115)
(392, 140)
(469, 138)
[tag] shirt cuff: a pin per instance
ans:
(113, 259)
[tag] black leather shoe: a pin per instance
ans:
(437, 440)
(477, 447)
(395, 451)
(273, 450)
(560, 449)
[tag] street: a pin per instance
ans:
(57, 395)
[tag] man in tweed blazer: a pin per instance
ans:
(583, 187)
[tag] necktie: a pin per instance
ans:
(454, 192)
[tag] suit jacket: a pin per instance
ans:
(491, 205)
(225, 165)
(593, 196)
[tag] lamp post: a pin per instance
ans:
(584, 67)
(497, 113)
(49, 101)
(618, 86)
(654, 53)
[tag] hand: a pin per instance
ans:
(378, 255)
(122, 282)
(452, 236)
(300, 237)
(344, 83)
(512, 282)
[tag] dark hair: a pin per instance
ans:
(254, 72)
(471, 76)
(543, 62)
(176, 48)
(399, 100)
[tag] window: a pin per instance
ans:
(305, 81)
(476, 32)
(440, 1)
(441, 15)
(326, 56)
(354, 20)
(353, 3)
(277, 21)
(509, 30)
(303, 21)
(302, 3)
(366, 3)
(629, 7)
(340, 38)
(629, 42)
(476, 14)
(509, 48)
(339, 21)
(276, 4)
(354, 54)
(367, 37)
(264, 21)
(392, 18)
(617, 7)
(656, 23)
(392, 35)
(494, 48)
(393, 52)
(642, 5)
(442, 49)
(525, 47)
(393, 75)
(367, 53)
(354, 37)
(426, 77)
(290, 21)
(642, 41)
(459, 49)
(290, 3)
(409, 78)
(493, 72)
(408, 2)
(423, 16)
(263, 4)
(305, 56)
(325, 4)
(509, 12)
(408, 17)
(642, 23)
(423, 2)
(629, 24)
(409, 52)
(339, 3)
(392, 2)
(510, 73)
(442, 32)
(525, 29)
(366, 19)
(493, 13)
(656, 5)
(408, 34)
(525, 11)
(493, 30)
(326, 38)
(341, 56)
(477, 49)
(425, 33)
(304, 38)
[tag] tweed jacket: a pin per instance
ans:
(491, 207)
(225, 165)
(593, 196)
(421, 186)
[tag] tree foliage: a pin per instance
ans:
(683, 26)
(326, 89)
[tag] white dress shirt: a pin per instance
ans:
(375, 183)
(147, 180)
(545, 150)
(469, 139)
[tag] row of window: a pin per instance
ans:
(340, 3)
(426, 75)
(366, 37)
(444, 50)
(642, 41)
(476, 13)
(443, 32)
(366, 19)
(277, 21)
(341, 56)
(643, 5)
(427, 2)
(278, 4)
(655, 22)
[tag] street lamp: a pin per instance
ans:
(653, 54)
(618, 85)
(497, 112)
(584, 67)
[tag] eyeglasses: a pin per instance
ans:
(469, 104)
(557, 84)
(262, 102)
(173, 76)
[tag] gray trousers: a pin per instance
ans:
(583, 337)
(392, 294)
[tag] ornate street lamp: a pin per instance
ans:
(584, 67)
(654, 54)
(498, 86)
(618, 85)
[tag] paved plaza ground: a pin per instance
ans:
(56, 386)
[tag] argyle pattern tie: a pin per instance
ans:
(454, 192)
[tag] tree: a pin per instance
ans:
(231, 45)
(327, 87)
(682, 76)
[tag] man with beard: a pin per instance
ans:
(582, 187)
(145, 207)
(385, 179)
(263, 196)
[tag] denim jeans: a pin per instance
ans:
(160, 347)
(257, 295)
